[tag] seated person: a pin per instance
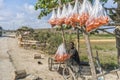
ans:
(74, 56)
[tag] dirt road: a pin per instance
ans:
(22, 60)
(6, 67)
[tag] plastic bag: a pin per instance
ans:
(68, 14)
(84, 12)
(58, 16)
(74, 15)
(61, 54)
(61, 18)
(52, 20)
(75, 12)
(97, 17)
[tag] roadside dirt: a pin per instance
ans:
(6, 67)
(24, 60)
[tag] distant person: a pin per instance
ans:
(20, 38)
(74, 55)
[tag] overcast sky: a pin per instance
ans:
(16, 13)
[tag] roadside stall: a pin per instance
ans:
(85, 17)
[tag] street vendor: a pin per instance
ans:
(74, 55)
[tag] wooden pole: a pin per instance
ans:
(63, 35)
(78, 38)
(108, 72)
(90, 55)
(117, 32)
(99, 65)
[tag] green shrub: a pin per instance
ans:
(42, 36)
(54, 41)
(34, 47)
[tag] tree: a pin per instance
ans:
(46, 6)
(24, 29)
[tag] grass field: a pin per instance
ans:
(105, 44)
(106, 47)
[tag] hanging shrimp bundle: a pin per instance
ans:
(61, 17)
(61, 54)
(53, 18)
(84, 12)
(97, 18)
(74, 14)
(81, 15)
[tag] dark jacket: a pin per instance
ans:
(74, 55)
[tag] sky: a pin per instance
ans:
(17, 13)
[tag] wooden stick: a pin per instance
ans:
(117, 32)
(90, 55)
(109, 33)
(78, 40)
(97, 56)
(113, 24)
(63, 35)
(108, 72)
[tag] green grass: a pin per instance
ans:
(102, 36)
(106, 50)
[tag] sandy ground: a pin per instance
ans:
(6, 67)
(24, 60)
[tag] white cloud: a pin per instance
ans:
(20, 15)
(29, 8)
(5, 15)
(1, 3)
(1, 18)
(24, 15)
